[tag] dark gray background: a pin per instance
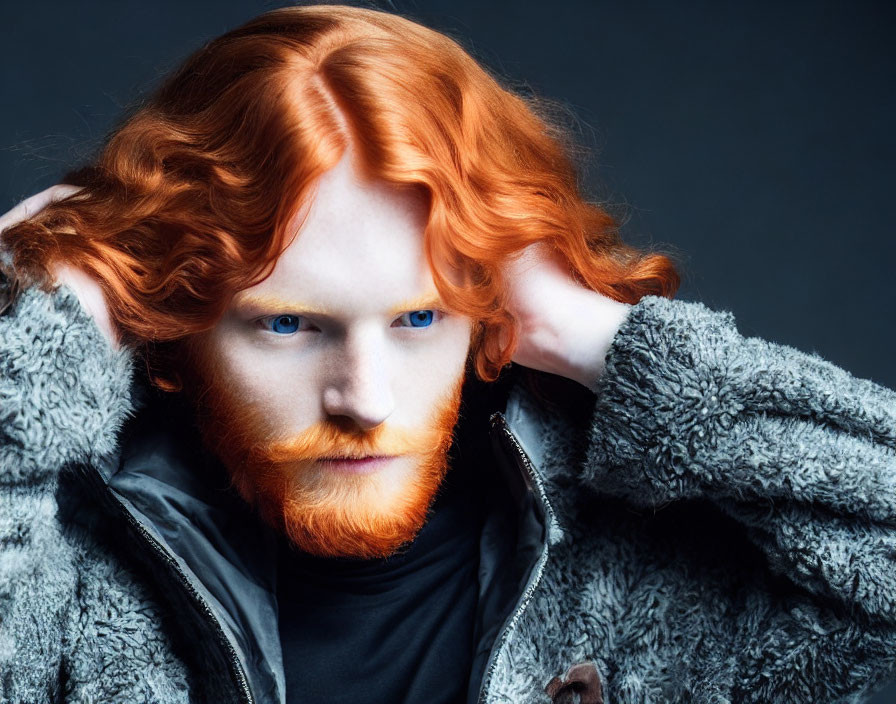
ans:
(756, 140)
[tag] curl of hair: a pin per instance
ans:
(190, 200)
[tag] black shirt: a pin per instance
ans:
(398, 629)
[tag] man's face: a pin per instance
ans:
(343, 354)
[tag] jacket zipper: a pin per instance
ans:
(534, 479)
(236, 667)
(499, 422)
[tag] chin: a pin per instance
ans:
(333, 514)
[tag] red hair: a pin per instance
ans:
(188, 201)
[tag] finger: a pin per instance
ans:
(34, 204)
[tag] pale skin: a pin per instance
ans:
(349, 324)
(564, 328)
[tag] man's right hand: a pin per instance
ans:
(88, 289)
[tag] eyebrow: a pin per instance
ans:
(275, 304)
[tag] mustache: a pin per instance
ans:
(324, 440)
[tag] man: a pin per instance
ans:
(314, 236)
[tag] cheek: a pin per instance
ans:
(430, 372)
(271, 380)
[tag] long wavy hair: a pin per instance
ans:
(188, 200)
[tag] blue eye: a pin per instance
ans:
(283, 324)
(419, 318)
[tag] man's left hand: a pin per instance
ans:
(564, 328)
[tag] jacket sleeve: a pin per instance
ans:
(794, 448)
(63, 397)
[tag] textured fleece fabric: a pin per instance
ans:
(722, 525)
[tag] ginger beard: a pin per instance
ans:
(321, 511)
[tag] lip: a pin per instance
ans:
(350, 465)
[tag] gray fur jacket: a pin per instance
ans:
(716, 524)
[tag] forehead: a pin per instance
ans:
(359, 249)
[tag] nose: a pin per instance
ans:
(358, 388)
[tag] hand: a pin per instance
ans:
(564, 328)
(88, 289)
(33, 205)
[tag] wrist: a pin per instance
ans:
(590, 329)
(90, 295)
